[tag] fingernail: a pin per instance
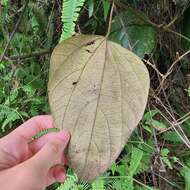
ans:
(60, 175)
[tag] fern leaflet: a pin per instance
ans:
(98, 184)
(70, 13)
(69, 184)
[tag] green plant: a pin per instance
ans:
(132, 32)
(157, 154)
(98, 184)
(68, 184)
(5, 2)
(70, 13)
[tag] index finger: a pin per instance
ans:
(34, 125)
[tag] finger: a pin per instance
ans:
(39, 143)
(14, 147)
(59, 173)
(34, 125)
(50, 154)
(56, 174)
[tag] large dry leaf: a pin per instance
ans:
(97, 91)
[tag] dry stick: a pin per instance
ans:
(14, 31)
(183, 118)
(182, 121)
(183, 138)
(49, 18)
(179, 121)
(158, 151)
(186, 115)
(179, 14)
(173, 117)
(153, 66)
(166, 29)
(27, 56)
(173, 20)
(175, 123)
(170, 70)
(173, 64)
(156, 143)
(172, 126)
(165, 179)
(110, 20)
(176, 61)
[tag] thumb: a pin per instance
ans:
(51, 154)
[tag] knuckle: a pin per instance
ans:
(55, 146)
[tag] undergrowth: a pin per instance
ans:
(157, 155)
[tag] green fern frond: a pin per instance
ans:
(136, 158)
(117, 184)
(39, 14)
(84, 186)
(8, 116)
(98, 184)
(69, 184)
(11, 117)
(70, 13)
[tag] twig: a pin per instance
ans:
(162, 167)
(127, 177)
(172, 115)
(171, 183)
(110, 19)
(182, 136)
(14, 31)
(181, 122)
(173, 21)
(153, 66)
(166, 29)
(171, 69)
(184, 117)
(27, 56)
(176, 61)
(176, 17)
(148, 21)
(156, 144)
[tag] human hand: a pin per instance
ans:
(32, 166)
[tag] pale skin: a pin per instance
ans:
(32, 166)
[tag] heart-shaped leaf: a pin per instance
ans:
(98, 91)
(127, 29)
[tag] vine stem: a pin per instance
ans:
(14, 31)
(27, 56)
(110, 20)
(160, 27)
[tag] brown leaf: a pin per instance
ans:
(97, 91)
